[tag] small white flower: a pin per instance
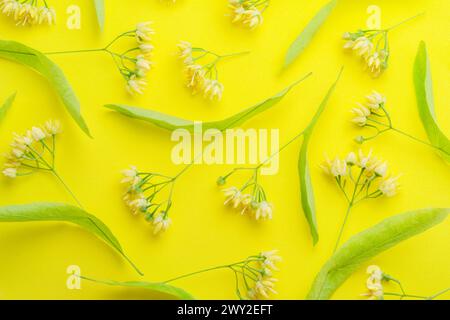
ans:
(184, 49)
(37, 134)
(338, 168)
(10, 173)
(375, 101)
(139, 205)
(264, 210)
(351, 159)
(233, 196)
(146, 48)
(388, 187)
(270, 259)
(142, 65)
(381, 169)
(52, 127)
(136, 85)
(131, 175)
(376, 275)
(161, 223)
(361, 113)
(264, 286)
(363, 46)
(47, 15)
(144, 32)
(364, 160)
(213, 89)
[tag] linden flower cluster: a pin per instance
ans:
(140, 64)
(363, 173)
(366, 44)
(140, 197)
(200, 67)
(261, 274)
(248, 12)
(28, 12)
(28, 150)
(249, 199)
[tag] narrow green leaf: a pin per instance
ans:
(308, 33)
(19, 53)
(6, 105)
(36, 212)
(100, 10)
(364, 246)
(306, 186)
(172, 123)
(157, 287)
(425, 100)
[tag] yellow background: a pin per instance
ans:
(34, 257)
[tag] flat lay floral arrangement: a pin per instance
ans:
(95, 95)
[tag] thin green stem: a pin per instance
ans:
(341, 232)
(404, 21)
(66, 187)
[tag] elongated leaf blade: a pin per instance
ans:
(39, 212)
(306, 186)
(6, 105)
(169, 122)
(20, 53)
(364, 246)
(100, 10)
(308, 33)
(425, 101)
(157, 287)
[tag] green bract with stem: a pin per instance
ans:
(374, 115)
(372, 46)
(35, 151)
(133, 63)
(200, 67)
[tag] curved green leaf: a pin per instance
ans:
(6, 105)
(425, 101)
(169, 122)
(20, 53)
(308, 33)
(306, 187)
(369, 243)
(157, 287)
(65, 213)
(100, 10)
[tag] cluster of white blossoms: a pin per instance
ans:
(140, 197)
(28, 12)
(374, 283)
(248, 12)
(257, 273)
(364, 173)
(28, 150)
(254, 204)
(141, 63)
(366, 44)
(375, 103)
(201, 78)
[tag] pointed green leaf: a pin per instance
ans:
(306, 186)
(100, 10)
(362, 247)
(308, 33)
(17, 52)
(157, 287)
(6, 105)
(172, 123)
(425, 100)
(36, 212)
